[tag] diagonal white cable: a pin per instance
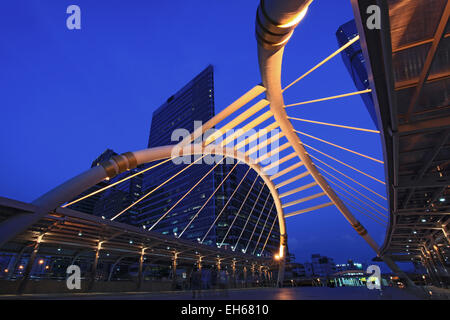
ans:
(206, 202)
(338, 146)
(237, 214)
(153, 190)
(334, 125)
(361, 194)
(343, 163)
(345, 46)
(115, 183)
(329, 98)
(351, 194)
(377, 219)
(185, 195)
(268, 236)
(259, 218)
(248, 218)
(263, 228)
(343, 174)
(225, 206)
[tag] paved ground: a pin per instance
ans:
(300, 293)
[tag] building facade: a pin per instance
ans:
(322, 266)
(355, 63)
(241, 224)
(112, 201)
(192, 218)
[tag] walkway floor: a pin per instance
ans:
(299, 293)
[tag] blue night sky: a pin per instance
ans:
(67, 95)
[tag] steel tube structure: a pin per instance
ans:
(275, 24)
(121, 163)
(280, 18)
(276, 21)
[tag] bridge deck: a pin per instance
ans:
(69, 233)
(298, 293)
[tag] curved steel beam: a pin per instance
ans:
(121, 163)
(276, 21)
(278, 25)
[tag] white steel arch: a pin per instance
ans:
(275, 23)
(121, 163)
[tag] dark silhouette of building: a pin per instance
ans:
(110, 202)
(89, 204)
(354, 61)
(106, 155)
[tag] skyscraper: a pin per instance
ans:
(354, 61)
(194, 102)
(243, 218)
(194, 215)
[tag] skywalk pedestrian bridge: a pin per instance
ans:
(413, 118)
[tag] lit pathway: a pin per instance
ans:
(300, 293)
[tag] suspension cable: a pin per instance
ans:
(259, 218)
(345, 46)
(237, 214)
(376, 219)
(330, 98)
(264, 227)
(268, 236)
(248, 218)
(225, 206)
(206, 202)
(347, 165)
(352, 188)
(367, 188)
(338, 146)
(346, 191)
(334, 125)
(153, 190)
(186, 194)
(115, 183)
(255, 136)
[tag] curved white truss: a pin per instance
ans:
(281, 18)
(276, 21)
(130, 160)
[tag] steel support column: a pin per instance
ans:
(26, 276)
(93, 273)
(174, 270)
(199, 263)
(245, 276)
(140, 272)
(16, 262)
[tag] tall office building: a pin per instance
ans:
(250, 211)
(354, 61)
(195, 102)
